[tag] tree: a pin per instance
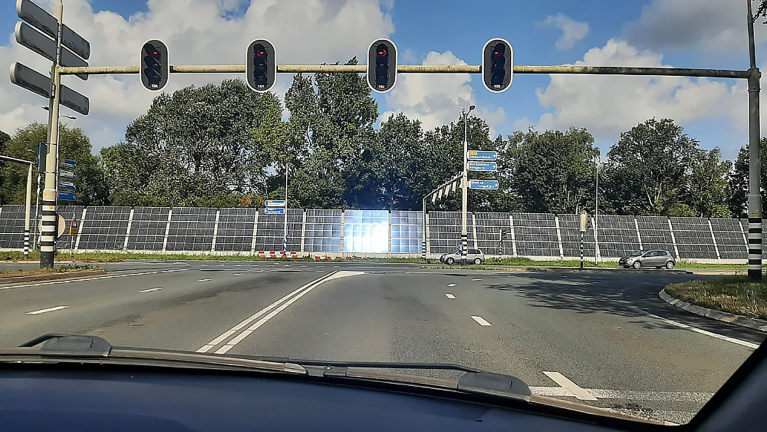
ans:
(649, 167)
(4, 138)
(193, 145)
(737, 185)
(706, 191)
(553, 171)
(75, 145)
(761, 10)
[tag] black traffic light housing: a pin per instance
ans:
(155, 65)
(261, 65)
(497, 65)
(382, 65)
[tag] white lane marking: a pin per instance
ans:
(93, 278)
(578, 392)
(237, 274)
(481, 321)
(699, 397)
(38, 312)
(695, 329)
(476, 279)
(237, 339)
(203, 280)
(450, 296)
(551, 391)
(238, 265)
(451, 285)
(150, 290)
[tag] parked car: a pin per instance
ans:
(475, 256)
(648, 258)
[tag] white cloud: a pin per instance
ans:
(712, 26)
(572, 31)
(436, 100)
(607, 105)
(196, 32)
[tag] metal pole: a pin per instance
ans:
(464, 192)
(423, 229)
(48, 237)
(285, 228)
(596, 214)
(40, 147)
(27, 207)
(754, 161)
(582, 250)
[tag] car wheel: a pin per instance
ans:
(637, 264)
(670, 265)
(450, 261)
(477, 261)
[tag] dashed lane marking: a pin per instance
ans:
(41, 311)
(150, 290)
(578, 392)
(481, 321)
(203, 280)
(450, 296)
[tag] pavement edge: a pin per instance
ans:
(752, 323)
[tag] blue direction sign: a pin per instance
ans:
(66, 196)
(483, 184)
(275, 203)
(66, 186)
(274, 211)
(477, 155)
(482, 166)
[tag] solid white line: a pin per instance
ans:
(578, 392)
(38, 312)
(476, 279)
(697, 330)
(253, 317)
(202, 280)
(698, 397)
(92, 278)
(149, 290)
(481, 321)
(551, 391)
(450, 296)
(451, 285)
(237, 274)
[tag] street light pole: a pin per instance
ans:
(465, 187)
(754, 160)
(285, 227)
(596, 212)
(28, 200)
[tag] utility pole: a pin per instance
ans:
(285, 227)
(754, 161)
(596, 212)
(465, 187)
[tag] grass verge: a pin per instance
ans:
(733, 294)
(43, 271)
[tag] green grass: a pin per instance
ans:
(40, 271)
(733, 294)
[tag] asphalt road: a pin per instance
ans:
(601, 338)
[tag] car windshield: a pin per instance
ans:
(299, 179)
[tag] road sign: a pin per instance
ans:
(66, 196)
(584, 220)
(67, 174)
(47, 24)
(483, 184)
(274, 211)
(61, 225)
(477, 155)
(274, 203)
(46, 47)
(68, 165)
(66, 186)
(36, 82)
(482, 166)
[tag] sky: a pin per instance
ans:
(679, 33)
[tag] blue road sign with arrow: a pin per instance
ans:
(483, 184)
(482, 166)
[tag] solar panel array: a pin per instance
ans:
(693, 238)
(235, 229)
(68, 212)
(271, 230)
(494, 233)
(616, 235)
(147, 231)
(366, 231)
(12, 227)
(191, 229)
(104, 228)
(570, 230)
(655, 233)
(536, 234)
(406, 231)
(323, 230)
(730, 238)
(445, 231)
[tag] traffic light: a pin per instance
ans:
(155, 65)
(261, 65)
(497, 65)
(382, 65)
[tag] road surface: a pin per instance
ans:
(601, 338)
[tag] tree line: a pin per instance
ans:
(222, 145)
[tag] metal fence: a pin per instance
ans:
(333, 232)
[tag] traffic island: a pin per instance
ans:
(735, 300)
(45, 275)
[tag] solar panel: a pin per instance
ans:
(12, 227)
(445, 231)
(616, 235)
(570, 230)
(655, 233)
(271, 230)
(494, 233)
(693, 238)
(191, 229)
(68, 212)
(536, 234)
(406, 231)
(729, 238)
(366, 231)
(235, 229)
(148, 228)
(104, 228)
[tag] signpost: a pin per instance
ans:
(274, 203)
(477, 155)
(66, 196)
(483, 166)
(483, 184)
(274, 211)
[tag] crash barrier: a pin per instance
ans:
(331, 233)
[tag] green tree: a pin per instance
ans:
(737, 184)
(706, 190)
(4, 138)
(649, 168)
(75, 145)
(194, 144)
(553, 171)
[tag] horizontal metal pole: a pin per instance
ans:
(16, 160)
(567, 69)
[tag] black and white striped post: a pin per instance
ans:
(754, 162)
(584, 225)
(28, 200)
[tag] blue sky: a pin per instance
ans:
(619, 32)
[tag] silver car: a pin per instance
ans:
(475, 256)
(648, 258)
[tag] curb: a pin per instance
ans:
(10, 280)
(556, 269)
(752, 323)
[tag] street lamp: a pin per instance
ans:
(597, 162)
(465, 185)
